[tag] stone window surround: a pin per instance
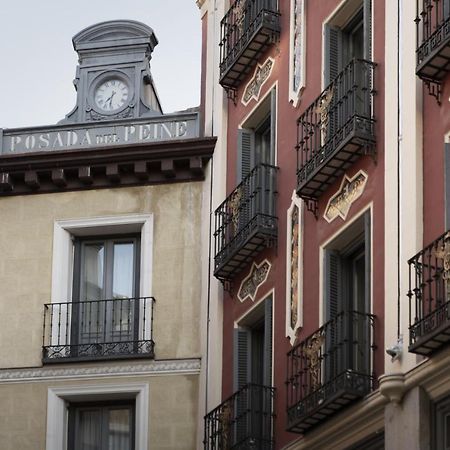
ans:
(58, 399)
(62, 260)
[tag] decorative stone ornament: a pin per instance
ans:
(350, 190)
(113, 79)
(250, 284)
(294, 272)
(253, 88)
(297, 54)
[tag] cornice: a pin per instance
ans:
(151, 368)
(105, 167)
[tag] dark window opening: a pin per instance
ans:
(101, 426)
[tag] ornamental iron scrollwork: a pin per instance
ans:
(323, 109)
(235, 206)
(312, 352)
(443, 252)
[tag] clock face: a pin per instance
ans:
(111, 95)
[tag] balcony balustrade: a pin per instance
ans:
(246, 222)
(243, 421)
(433, 39)
(247, 30)
(336, 129)
(330, 369)
(98, 330)
(429, 297)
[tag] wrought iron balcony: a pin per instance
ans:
(429, 297)
(245, 222)
(98, 330)
(247, 30)
(329, 369)
(243, 421)
(335, 129)
(433, 39)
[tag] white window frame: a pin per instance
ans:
(59, 398)
(294, 94)
(64, 231)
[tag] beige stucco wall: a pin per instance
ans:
(172, 405)
(26, 240)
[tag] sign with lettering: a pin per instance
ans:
(106, 134)
(261, 75)
(250, 284)
(351, 189)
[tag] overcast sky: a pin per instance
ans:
(38, 61)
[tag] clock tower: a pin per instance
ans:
(113, 79)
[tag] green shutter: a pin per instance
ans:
(246, 144)
(368, 30)
(267, 376)
(333, 53)
(333, 284)
(273, 125)
(242, 351)
(367, 255)
(333, 298)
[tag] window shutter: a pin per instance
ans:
(246, 144)
(333, 289)
(333, 284)
(333, 53)
(273, 125)
(447, 185)
(367, 255)
(368, 30)
(267, 377)
(242, 350)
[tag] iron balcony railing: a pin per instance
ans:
(246, 221)
(429, 297)
(335, 129)
(244, 421)
(433, 39)
(329, 369)
(98, 329)
(247, 29)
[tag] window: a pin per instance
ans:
(105, 294)
(441, 425)
(347, 37)
(347, 299)
(101, 426)
(253, 377)
(253, 347)
(256, 139)
(101, 290)
(61, 399)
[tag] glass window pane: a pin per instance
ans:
(89, 430)
(119, 433)
(92, 283)
(123, 270)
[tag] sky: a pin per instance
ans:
(38, 61)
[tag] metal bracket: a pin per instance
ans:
(434, 89)
(311, 206)
(231, 94)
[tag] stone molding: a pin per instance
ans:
(152, 368)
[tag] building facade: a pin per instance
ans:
(101, 262)
(330, 239)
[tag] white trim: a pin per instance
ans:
(253, 79)
(290, 332)
(294, 95)
(368, 207)
(252, 270)
(62, 260)
(57, 414)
